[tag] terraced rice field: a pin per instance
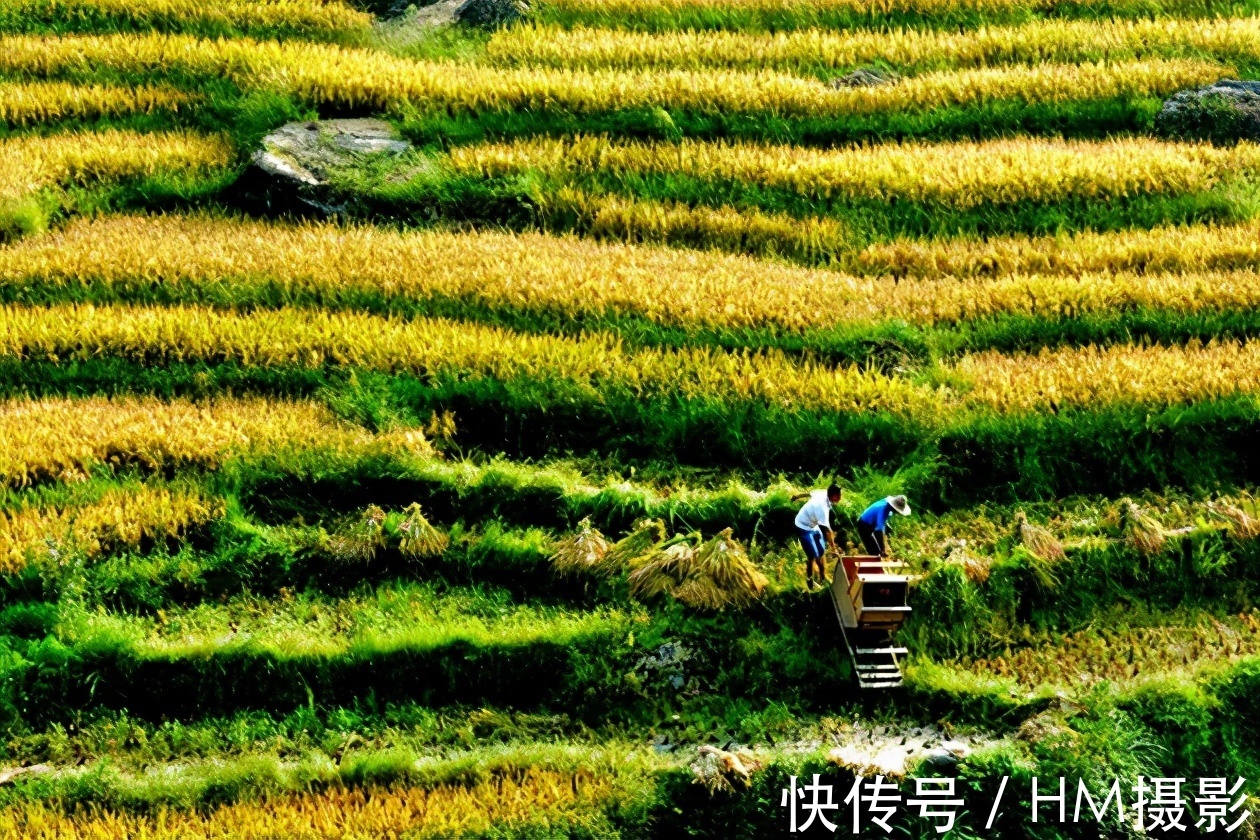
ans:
(468, 512)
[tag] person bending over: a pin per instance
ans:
(873, 523)
(813, 526)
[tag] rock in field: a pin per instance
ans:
(1225, 111)
(863, 77)
(491, 13)
(412, 23)
(298, 161)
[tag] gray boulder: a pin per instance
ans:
(490, 14)
(409, 24)
(298, 162)
(1226, 111)
(864, 77)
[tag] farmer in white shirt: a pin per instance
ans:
(813, 526)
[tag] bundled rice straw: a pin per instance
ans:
(1241, 524)
(419, 537)
(1040, 543)
(1040, 548)
(664, 570)
(361, 540)
(975, 568)
(722, 771)
(635, 547)
(713, 576)
(582, 552)
(1141, 530)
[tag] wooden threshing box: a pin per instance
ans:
(869, 594)
(870, 601)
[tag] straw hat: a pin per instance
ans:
(899, 504)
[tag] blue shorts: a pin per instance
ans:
(812, 542)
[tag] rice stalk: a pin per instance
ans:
(1060, 377)
(337, 78)
(334, 264)
(66, 439)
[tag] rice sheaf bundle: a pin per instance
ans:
(1141, 530)
(419, 537)
(664, 569)
(976, 569)
(581, 552)
(361, 540)
(712, 576)
(635, 547)
(1241, 524)
(1039, 542)
(1040, 548)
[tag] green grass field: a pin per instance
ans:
(293, 510)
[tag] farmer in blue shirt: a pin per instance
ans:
(873, 523)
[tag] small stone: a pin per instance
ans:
(939, 762)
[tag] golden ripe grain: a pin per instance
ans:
(1190, 249)
(32, 163)
(308, 17)
(1093, 376)
(811, 50)
(637, 9)
(23, 103)
(334, 264)
(437, 349)
(325, 74)
(58, 438)
(339, 813)
(742, 230)
(327, 263)
(119, 516)
(960, 174)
